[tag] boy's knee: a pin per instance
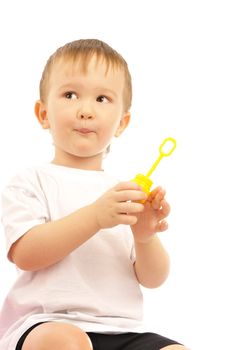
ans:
(59, 336)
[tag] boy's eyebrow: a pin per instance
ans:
(105, 89)
(67, 86)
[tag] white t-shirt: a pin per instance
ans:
(95, 286)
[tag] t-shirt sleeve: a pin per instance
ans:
(23, 206)
(133, 254)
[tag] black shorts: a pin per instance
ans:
(124, 341)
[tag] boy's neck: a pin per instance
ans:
(85, 163)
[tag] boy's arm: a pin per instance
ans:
(152, 263)
(48, 243)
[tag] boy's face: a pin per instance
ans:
(83, 112)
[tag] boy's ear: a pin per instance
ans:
(41, 114)
(123, 124)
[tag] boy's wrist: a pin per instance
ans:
(146, 241)
(94, 217)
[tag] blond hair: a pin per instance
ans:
(82, 51)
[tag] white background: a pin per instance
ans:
(181, 58)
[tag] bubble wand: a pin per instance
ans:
(144, 180)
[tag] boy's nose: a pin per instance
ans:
(85, 114)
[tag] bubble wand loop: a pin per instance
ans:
(162, 154)
(144, 180)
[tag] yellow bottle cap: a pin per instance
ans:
(144, 182)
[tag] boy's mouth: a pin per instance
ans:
(84, 131)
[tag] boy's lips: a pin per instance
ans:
(84, 131)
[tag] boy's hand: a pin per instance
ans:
(119, 205)
(151, 219)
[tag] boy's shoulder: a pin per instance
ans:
(39, 172)
(24, 173)
(24, 177)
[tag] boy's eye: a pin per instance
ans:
(71, 95)
(102, 98)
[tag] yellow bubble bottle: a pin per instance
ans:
(165, 149)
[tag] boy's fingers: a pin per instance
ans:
(162, 226)
(164, 211)
(158, 200)
(157, 194)
(130, 195)
(130, 207)
(128, 185)
(128, 219)
(165, 207)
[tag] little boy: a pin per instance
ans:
(82, 241)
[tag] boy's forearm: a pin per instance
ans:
(152, 263)
(48, 243)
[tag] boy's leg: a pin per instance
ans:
(175, 347)
(59, 336)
